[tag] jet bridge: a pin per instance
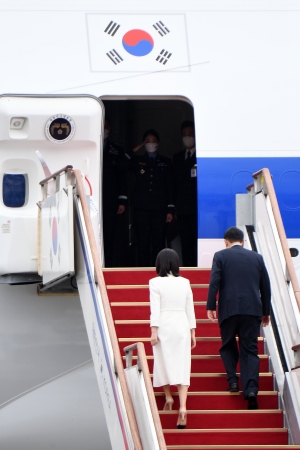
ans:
(258, 214)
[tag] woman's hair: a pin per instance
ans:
(167, 262)
(152, 133)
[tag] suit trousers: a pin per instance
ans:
(150, 229)
(187, 224)
(247, 328)
(109, 229)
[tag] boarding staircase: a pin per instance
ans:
(217, 419)
(116, 311)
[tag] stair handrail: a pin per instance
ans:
(108, 314)
(142, 365)
(267, 185)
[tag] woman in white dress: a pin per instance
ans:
(173, 327)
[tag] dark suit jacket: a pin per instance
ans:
(153, 189)
(185, 186)
(114, 177)
(242, 281)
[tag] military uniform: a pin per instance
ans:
(114, 193)
(152, 200)
(185, 187)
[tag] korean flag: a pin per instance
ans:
(137, 43)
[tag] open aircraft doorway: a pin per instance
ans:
(133, 238)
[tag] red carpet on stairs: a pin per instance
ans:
(217, 419)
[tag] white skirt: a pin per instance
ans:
(172, 353)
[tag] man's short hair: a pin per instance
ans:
(152, 132)
(167, 262)
(187, 124)
(234, 234)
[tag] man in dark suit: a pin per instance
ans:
(114, 190)
(185, 187)
(241, 279)
(152, 197)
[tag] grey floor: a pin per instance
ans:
(63, 414)
(49, 398)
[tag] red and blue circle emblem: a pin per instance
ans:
(138, 42)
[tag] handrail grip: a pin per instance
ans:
(108, 315)
(55, 174)
(281, 231)
(143, 366)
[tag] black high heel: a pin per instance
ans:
(182, 419)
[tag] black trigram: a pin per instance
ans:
(161, 28)
(163, 57)
(112, 28)
(114, 56)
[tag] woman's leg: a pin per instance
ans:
(169, 398)
(182, 391)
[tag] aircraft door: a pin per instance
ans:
(65, 130)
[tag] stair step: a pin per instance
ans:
(218, 382)
(234, 436)
(132, 328)
(140, 293)
(211, 419)
(141, 310)
(211, 409)
(233, 447)
(205, 345)
(207, 363)
(143, 275)
(221, 400)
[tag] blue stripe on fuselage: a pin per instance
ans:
(219, 179)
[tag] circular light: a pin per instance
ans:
(17, 123)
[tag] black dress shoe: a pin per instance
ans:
(233, 387)
(252, 401)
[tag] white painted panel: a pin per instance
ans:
(244, 72)
(206, 250)
(57, 236)
(138, 393)
(295, 243)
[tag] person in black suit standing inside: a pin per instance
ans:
(114, 190)
(242, 281)
(185, 186)
(152, 198)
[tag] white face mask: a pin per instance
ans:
(106, 133)
(188, 141)
(151, 147)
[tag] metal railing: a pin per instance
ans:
(142, 366)
(56, 177)
(272, 242)
(263, 181)
(119, 369)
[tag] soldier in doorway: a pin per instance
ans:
(114, 190)
(185, 186)
(152, 198)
